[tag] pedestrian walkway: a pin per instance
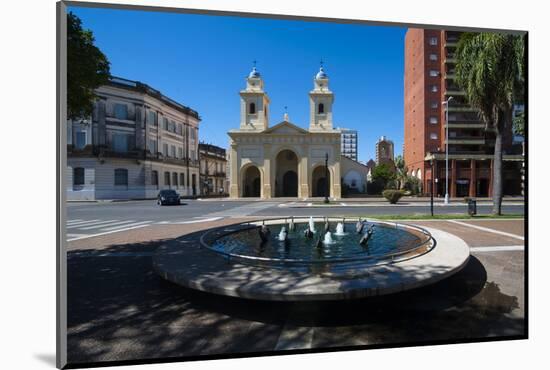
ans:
(81, 228)
(244, 210)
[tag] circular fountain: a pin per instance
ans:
(304, 259)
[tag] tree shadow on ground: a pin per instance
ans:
(119, 309)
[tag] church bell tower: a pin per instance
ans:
(320, 103)
(254, 104)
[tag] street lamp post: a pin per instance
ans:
(446, 102)
(432, 188)
(326, 178)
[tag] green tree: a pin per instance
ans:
(384, 174)
(400, 171)
(87, 68)
(490, 69)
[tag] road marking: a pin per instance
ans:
(75, 220)
(107, 232)
(127, 225)
(81, 223)
(505, 248)
(97, 225)
(189, 222)
(109, 254)
(293, 337)
(487, 229)
(105, 224)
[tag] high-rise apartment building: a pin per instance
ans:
(429, 81)
(349, 143)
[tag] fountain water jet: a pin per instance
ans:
(340, 229)
(328, 238)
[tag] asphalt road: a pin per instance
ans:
(149, 210)
(91, 219)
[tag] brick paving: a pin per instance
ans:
(119, 309)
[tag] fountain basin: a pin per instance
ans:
(197, 265)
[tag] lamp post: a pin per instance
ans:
(446, 102)
(432, 188)
(326, 178)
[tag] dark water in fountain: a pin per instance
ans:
(385, 241)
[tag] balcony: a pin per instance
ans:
(451, 60)
(451, 43)
(467, 140)
(450, 76)
(461, 108)
(466, 124)
(454, 92)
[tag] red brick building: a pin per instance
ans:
(429, 81)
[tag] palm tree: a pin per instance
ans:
(400, 171)
(490, 69)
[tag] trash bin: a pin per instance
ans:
(472, 207)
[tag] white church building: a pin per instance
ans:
(286, 160)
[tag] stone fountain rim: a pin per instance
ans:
(185, 262)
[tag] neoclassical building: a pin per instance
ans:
(284, 160)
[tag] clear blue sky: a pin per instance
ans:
(201, 61)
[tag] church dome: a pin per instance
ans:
(321, 74)
(254, 73)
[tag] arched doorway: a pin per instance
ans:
(286, 174)
(251, 180)
(319, 182)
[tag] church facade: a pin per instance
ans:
(285, 160)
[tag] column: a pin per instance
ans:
(452, 193)
(473, 178)
(234, 173)
(266, 188)
(303, 177)
(336, 186)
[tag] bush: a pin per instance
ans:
(392, 195)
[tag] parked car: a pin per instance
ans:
(168, 196)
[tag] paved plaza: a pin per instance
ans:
(119, 309)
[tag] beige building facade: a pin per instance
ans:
(285, 160)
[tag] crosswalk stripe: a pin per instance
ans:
(91, 223)
(81, 223)
(126, 225)
(105, 224)
(75, 220)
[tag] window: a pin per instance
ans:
(152, 118)
(165, 123)
(153, 146)
(434, 104)
(433, 40)
(121, 111)
(433, 57)
(172, 126)
(175, 179)
(180, 153)
(193, 133)
(192, 155)
(433, 120)
(78, 176)
(434, 88)
(80, 140)
(321, 109)
(120, 143)
(154, 178)
(165, 149)
(434, 73)
(121, 176)
(433, 136)
(252, 108)
(173, 151)
(178, 129)
(167, 178)
(182, 178)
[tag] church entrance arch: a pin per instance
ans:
(319, 182)
(251, 180)
(286, 174)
